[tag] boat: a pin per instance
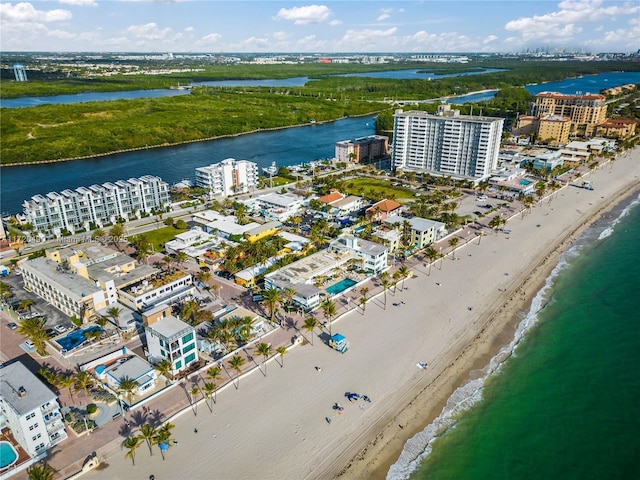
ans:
(272, 170)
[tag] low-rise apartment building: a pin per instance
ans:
(83, 279)
(170, 338)
(363, 149)
(422, 231)
(30, 410)
(229, 177)
(78, 209)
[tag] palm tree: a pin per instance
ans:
(114, 313)
(67, 381)
(181, 258)
(163, 437)
(204, 277)
(281, 350)
(25, 304)
(167, 261)
(329, 310)
(453, 242)
(309, 325)
(116, 233)
(396, 278)
(189, 310)
(132, 444)
(264, 349)
(127, 386)
(41, 471)
(209, 390)
(83, 381)
(385, 284)
(147, 434)
(164, 367)
(363, 300)
(192, 397)
(236, 363)
(5, 291)
(271, 298)
(404, 272)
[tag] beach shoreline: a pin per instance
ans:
(455, 316)
(499, 327)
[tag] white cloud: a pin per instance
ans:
(334, 23)
(255, 43)
(189, 29)
(309, 15)
(354, 39)
(149, 31)
(280, 36)
(25, 12)
(80, 3)
(311, 44)
(489, 39)
(61, 34)
(211, 38)
(562, 24)
(382, 17)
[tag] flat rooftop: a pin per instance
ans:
(65, 280)
(22, 390)
(306, 269)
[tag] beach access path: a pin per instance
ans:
(275, 426)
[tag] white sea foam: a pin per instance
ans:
(466, 396)
(610, 229)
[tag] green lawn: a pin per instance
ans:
(361, 185)
(161, 236)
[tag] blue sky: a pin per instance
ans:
(318, 26)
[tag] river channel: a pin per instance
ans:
(288, 146)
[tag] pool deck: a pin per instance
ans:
(7, 436)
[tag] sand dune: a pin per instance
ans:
(275, 427)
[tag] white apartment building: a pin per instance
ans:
(99, 204)
(229, 177)
(170, 338)
(373, 255)
(447, 144)
(30, 410)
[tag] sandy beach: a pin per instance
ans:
(454, 318)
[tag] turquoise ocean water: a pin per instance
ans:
(566, 403)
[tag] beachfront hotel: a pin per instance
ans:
(229, 177)
(586, 111)
(363, 149)
(85, 279)
(30, 410)
(446, 144)
(77, 209)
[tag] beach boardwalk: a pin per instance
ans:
(339, 342)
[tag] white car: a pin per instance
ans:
(60, 328)
(30, 344)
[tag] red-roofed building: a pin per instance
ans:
(617, 127)
(382, 210)
(333, 196)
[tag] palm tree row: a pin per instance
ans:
(231, 333)
(152, 435)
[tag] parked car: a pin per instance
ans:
(12, 325)
(60, 328)
(30, 344)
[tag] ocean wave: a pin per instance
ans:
(466, 396)
(610, 229)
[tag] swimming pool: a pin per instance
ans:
(8, 455)
(75, 339)
(525, 182)
(340, 286)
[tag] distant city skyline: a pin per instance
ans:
(182, 26)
